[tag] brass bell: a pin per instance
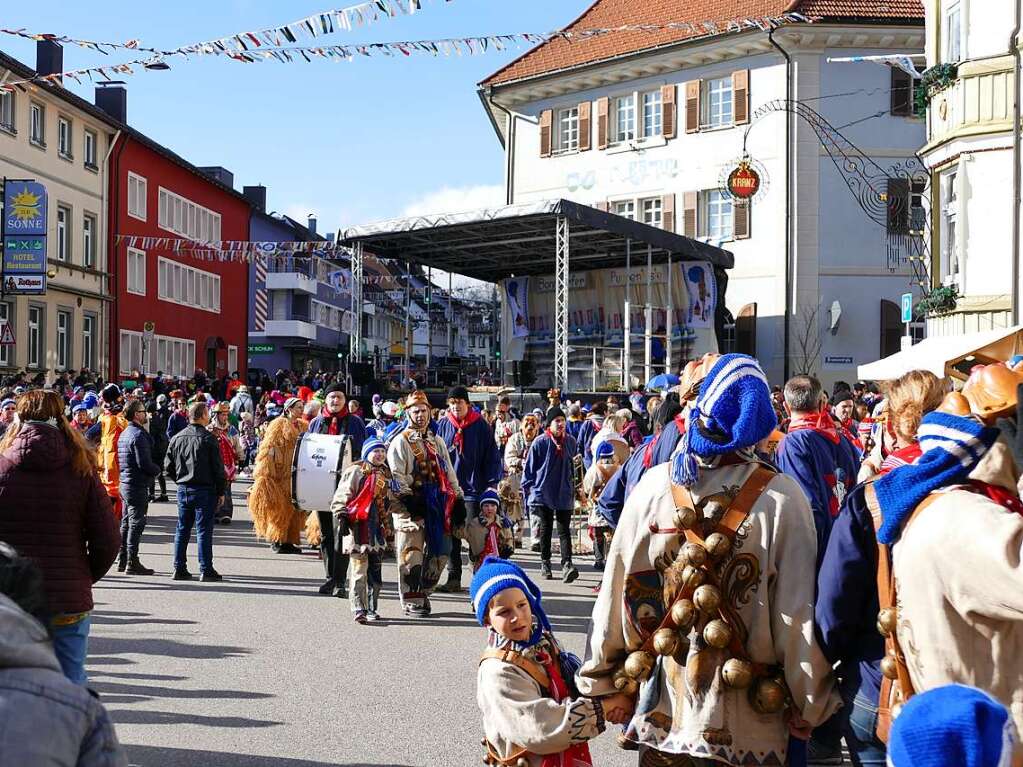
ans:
(522, 762)
(707, 598)
(683, 613)
(713, 509)
(639, 664)
(625, 685)
(685, 518)
(717, 634)
(692, 577)
(737, 673)
(887, 621)
(767, 696)
(665, 641)
(717, 545)
(695, 554)
(890, 667)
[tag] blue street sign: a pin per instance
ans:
(24, 208)
(907, 307)
(24, 255)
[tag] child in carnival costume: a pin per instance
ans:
(605, 464)
(362, 504)
(532, 713)
(489, 532)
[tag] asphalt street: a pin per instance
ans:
(262, 671)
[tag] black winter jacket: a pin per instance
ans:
(135, 460)
(193, 460)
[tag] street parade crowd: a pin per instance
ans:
(784, 570)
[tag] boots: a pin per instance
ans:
(545, 571)
(135, 567)
(122, 560)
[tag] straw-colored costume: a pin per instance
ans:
(274, 515)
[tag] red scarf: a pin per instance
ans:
(577, 755)
(442, 481)
(358, 507)
(559, 444)
(901, 457)
(470, 418)
(226, 453)
(999, 495)
(820, 422)
(334, 419)
(489, 546)
(845, 427)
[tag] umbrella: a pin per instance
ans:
(663, 381)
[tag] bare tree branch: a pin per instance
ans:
(807, 332)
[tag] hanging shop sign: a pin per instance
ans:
(24, 255)
(18, 284)
(743, 182)
(262, 348)
(24, 208)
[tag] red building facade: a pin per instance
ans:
(199, 306)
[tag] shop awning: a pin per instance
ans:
(951, 356)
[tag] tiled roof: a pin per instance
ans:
(559, 53)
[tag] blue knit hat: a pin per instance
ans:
(733, 411)
(371, 444)
(605, 450)
(949, 725)
(489, 496)
(952, 447)
(78, 408)
(494, 576)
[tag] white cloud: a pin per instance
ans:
(299, 211)
(457, 199)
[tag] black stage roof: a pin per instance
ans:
(496, 243)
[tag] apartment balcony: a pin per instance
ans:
(292, 328)
(291, 281)
(978, 103)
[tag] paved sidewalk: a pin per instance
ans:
(261, 671)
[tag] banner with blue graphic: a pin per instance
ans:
(24, 208)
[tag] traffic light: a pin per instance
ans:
(497, 354)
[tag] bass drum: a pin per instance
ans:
(319, 461)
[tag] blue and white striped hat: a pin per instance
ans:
(494, 576)
(733, 411)
(952, 447)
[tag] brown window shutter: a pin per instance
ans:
(689, 203)
(741, 220)
(584, 125)
(668, 111)
(746, 330)
(740, 97)
(546, 118)
(668, 212)
(692, 106)
(602, 109)
(603, 205)
(902, 93)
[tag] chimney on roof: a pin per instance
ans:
(223, 175)
(311, 224)
(112, 98)
(49, 58)
(256, 195)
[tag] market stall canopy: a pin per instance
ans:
(496, 243)
(951, 356)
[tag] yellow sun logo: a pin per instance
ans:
(26, 205)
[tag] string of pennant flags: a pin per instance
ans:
(473, 46)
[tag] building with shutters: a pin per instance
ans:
(974, 170)
(647, 125)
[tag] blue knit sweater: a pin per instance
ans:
(478, 466)
(547, 476)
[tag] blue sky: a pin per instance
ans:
(350, 142)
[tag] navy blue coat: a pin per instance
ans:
(136, 464)
(847, 603)
(352, 425)
(547, 476)
(479, 465)
(587, 432)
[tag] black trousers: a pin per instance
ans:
(472, 508)
(599, 544)
(335, 561)
(547, 518)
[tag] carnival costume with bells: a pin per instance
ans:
(532, 715)
(427, 491)
(708, 591)
(274, 516)
(489, 531)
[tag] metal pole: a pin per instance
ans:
(562, 237)
(649, 312)
(451, 319)
(627, 320)
(594, 369)
(670, 322)
(408, 322)
(355, 348)
(429, 325)
(3, 238)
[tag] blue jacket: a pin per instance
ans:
(136, 464)
(573, 428)
(479, 465)
(352, 425)
(587, 432)
(847, 604)
(176, 423)
(826, 471)
(547, 476)
(612, 499)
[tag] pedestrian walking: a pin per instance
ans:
(194, 463)
(54, 511)
(137, 470)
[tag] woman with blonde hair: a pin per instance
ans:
(510, 488)
(611, 431)
(54, 511)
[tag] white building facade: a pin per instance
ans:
(651, 133)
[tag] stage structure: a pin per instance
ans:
(569, 274)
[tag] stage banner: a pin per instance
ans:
(516, 291)
(702, 289)
(341, 281)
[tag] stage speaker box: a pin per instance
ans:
(361, 373)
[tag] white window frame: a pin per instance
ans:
(65, 138)
(723, 114)
(714, 205)
(566, 137)
(652, 211)
(189, 219)
(65, 319)
(624, 208)
(7, 111)
(90, 224)
(136, 272)
(179, 283)
(652, 107)
(90, 147)
(64, 216)
(952, 47)
(138, 187)
(88, 341)
(623, 115)
(37, 125)
(34, 340)
(5, 350)
(950, 184)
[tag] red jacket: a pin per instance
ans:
(59, 519)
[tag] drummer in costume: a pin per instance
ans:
(274, 516)
(427, 492)
(705, 612)
(335, 419)
(477, 461)
(362, 504)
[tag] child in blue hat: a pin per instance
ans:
(532, 714)
(489, 532)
